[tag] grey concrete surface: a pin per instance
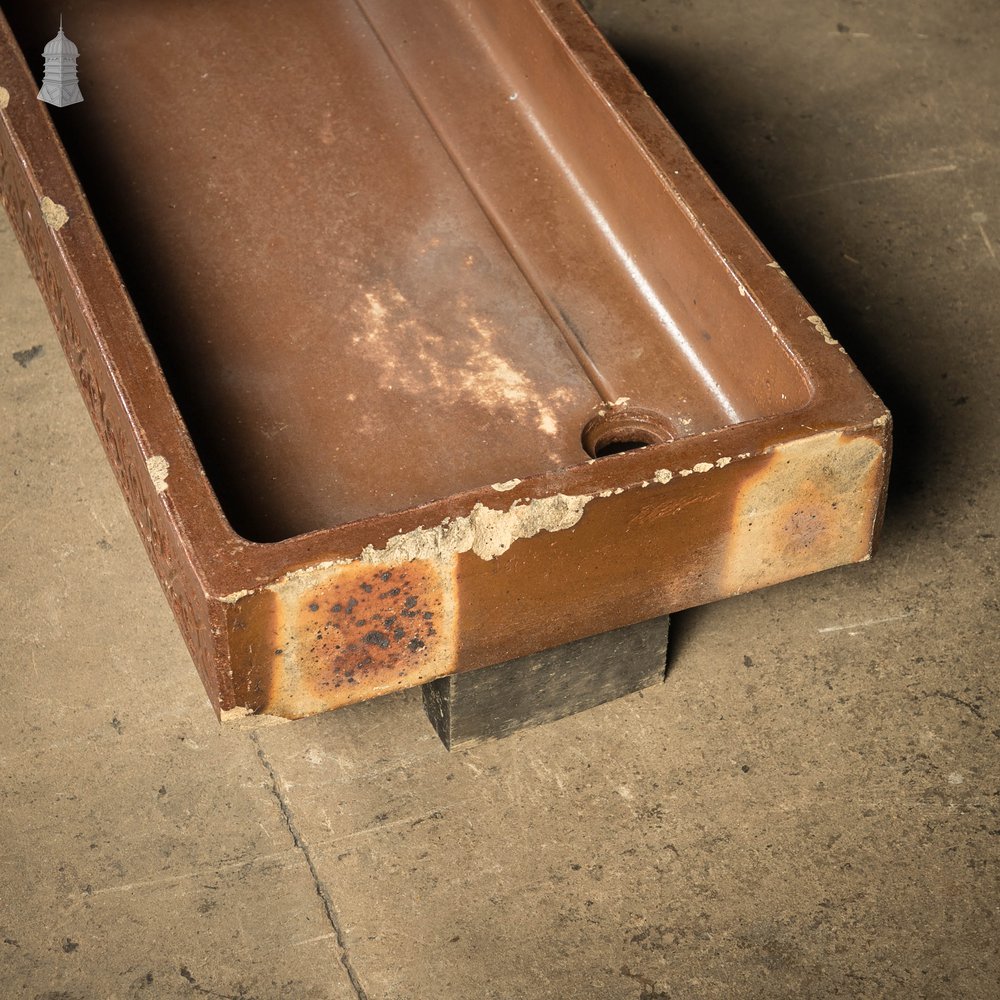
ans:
(807, 808)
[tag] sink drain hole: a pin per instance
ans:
(616, 431)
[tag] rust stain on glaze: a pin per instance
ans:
(354, 632)
(811, 507)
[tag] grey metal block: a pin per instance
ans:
(474, 707)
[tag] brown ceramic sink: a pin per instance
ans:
(417, 338)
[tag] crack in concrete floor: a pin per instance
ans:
(321, 890)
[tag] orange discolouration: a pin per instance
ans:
(811, 507)
(251, 624)
(358, 631)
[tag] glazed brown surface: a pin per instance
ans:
(366, 296)
(275, 276)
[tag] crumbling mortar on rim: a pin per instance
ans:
(822, 329)
(485, 531)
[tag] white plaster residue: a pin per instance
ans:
(722, 462)
(881, 420)
(236, 595)
(486, 532)
(54, 214)
(778, 268)
(821, 329)
(4, 97)
(243, 718)
(622, 400)
(158, 468)
(233, 714)
(704, 467)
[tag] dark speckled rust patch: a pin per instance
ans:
(359, 631)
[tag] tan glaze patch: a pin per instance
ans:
(359, 631)
(810, 508)
(4, 98)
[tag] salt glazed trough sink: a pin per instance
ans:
(416, 337)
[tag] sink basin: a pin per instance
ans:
(418, 340)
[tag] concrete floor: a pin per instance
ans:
(807, 808)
